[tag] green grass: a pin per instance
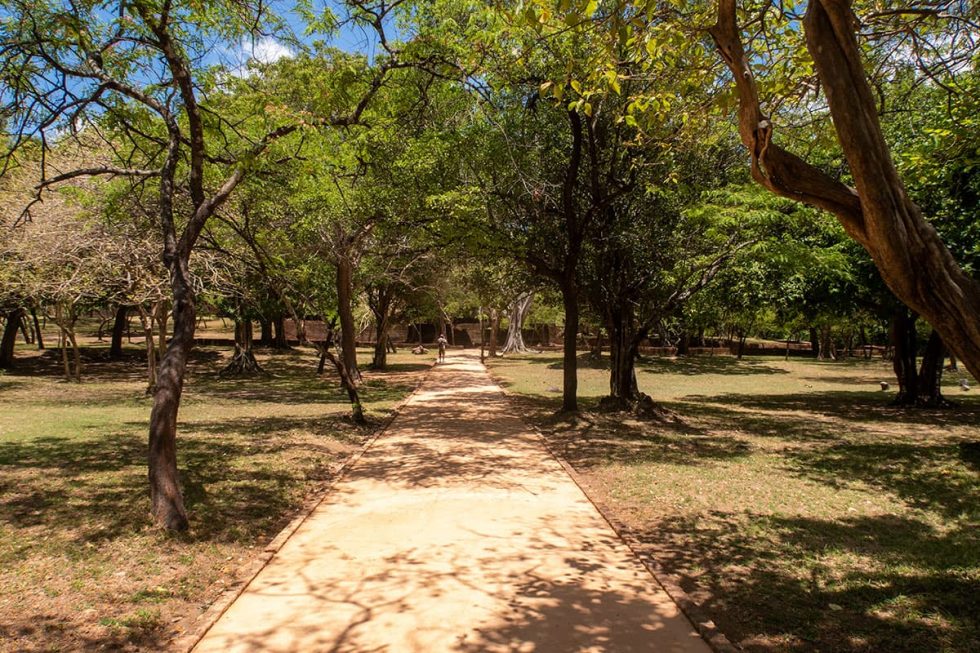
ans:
(81, 566)
(787, 497)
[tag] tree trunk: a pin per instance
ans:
(279, 340)
(569, 398)
(494, 328)
(814, 342)
(742, 335)
(684, 344)
(265, 332)
(903, 342)
(62, 341)
(826, 344)
(9, 340)
(595, 349)
(118, 329)
(162, 316)
(907, 250)
(380, 360)
(146, 320)
(482, 339)
(519, 309)
(930, 389)
(167, 503)
(623, 390)
(346, 382)
(27, 332)
(38, 335)
(380, 302)
(348, 337)
(75, 351)
(243, 361)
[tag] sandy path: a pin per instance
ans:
(456, 531)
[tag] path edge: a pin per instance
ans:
(246, 573)
(695, 613)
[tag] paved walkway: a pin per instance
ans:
(456, 531)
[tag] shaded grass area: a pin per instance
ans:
(81, 567)
(787, 497)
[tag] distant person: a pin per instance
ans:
(442, 342)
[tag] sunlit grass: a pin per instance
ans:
(787, 496)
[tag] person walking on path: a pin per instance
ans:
(442, 347)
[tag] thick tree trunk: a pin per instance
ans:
(265, 332)
(9, 340)
(348, 337)
(903, 341)
(38, 335)
(814, 342)
(931, 373)
(878, 213)
(167, 502)
(118, 330)
(243, 361)
(380, 301)
(623, 389)
(519, 309)
(569, 397)
(279, 340)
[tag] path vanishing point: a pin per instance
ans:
(455, 531)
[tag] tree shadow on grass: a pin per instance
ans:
(236, 487)
(697, 365)
(592, 438)
(851, 406)
(791, 584)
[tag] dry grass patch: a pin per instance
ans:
(81, 568)
(787, 497)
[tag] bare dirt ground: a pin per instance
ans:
(456, 531)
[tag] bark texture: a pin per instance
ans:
(348, 340)
(166, 500)
(519, 309)
(878, 213)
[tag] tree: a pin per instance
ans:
(877, 212)
(133, 74)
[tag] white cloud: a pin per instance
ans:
(262, 50)
(265, 49)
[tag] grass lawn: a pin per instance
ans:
(81, 568)
(786, 497)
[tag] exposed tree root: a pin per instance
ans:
(243, 363)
